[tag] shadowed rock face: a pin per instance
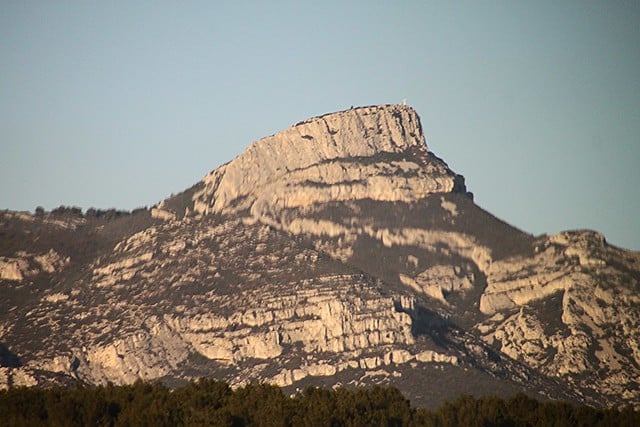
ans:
(340, 250)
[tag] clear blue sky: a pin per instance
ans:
(119, 104)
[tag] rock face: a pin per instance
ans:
(24, 265)
(372, 152)
(590, 331)
(338, 251)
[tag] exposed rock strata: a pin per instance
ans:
(339, 250)
(373, 152)
(595, 321)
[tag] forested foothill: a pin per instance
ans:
(210, 402)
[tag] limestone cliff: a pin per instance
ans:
(377, 153)
(338, 251)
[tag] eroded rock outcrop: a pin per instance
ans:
(23, 265)
(570, 310)
(373, 152)
(338, 251)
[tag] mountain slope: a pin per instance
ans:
(339, 250)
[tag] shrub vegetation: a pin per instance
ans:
(208, 402)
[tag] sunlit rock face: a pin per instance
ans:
(571, 310)
(375, 153)
(23, 265)
(338, 251)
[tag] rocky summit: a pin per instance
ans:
(340, 251)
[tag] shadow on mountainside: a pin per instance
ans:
(8, 359)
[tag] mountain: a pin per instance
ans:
(338, 251)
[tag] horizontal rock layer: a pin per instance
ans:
(372, 152)
(338, 251)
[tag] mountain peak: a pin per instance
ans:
(352, 154)
(338, 251)
(359, 131)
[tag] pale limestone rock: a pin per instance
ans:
(318, 370)
(51, 261)
(432, 290)
(397, 357)
(448, 206)
(410, 282)
(390, 129)
(431, 281)
(56, 298)
(284, 378)
(12, 269)
(523, 335)
(459, 243)
(510, 282)
(289, 376)
(25, 265)
(137, 240)
(598, 321)
(120, 270)
(316, 227)
(370, 362)
(149, 354)
(321, 321)
(259, 346)
(429, 356)
(413, 261)
(21, 377)
(308, 187)
(220, 349)
(322, 326)
(608, 355)
(59, 364)
(370, 374)
(162, 214)
(438, 279)
(4, 377)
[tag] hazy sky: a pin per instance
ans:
(119, 104)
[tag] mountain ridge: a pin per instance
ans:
(339, 250)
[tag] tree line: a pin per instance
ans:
(209, 402)
(91, 213)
